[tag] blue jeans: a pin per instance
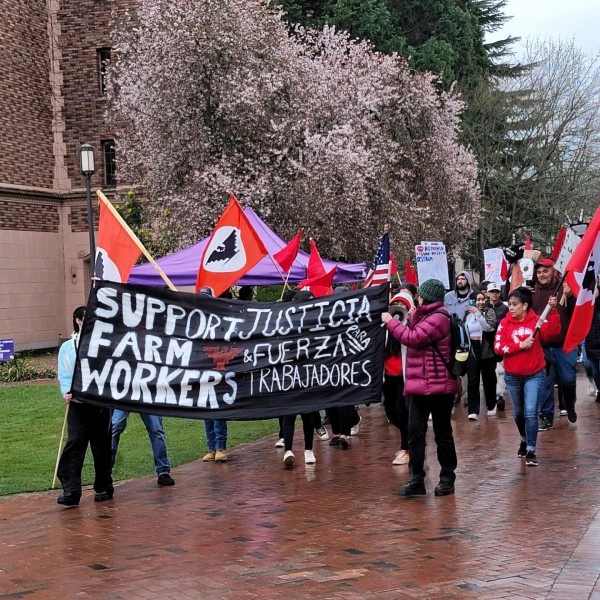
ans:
(560, 368)
(524, 392)
(154, 427)
(216, 434)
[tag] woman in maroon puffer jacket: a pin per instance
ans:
(429, 384)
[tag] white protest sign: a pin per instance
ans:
(494, 260)
(570, 242)
(432, 262)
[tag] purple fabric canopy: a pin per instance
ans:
(182, 267)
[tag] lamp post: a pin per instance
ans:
(86, 168)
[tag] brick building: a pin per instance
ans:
(51, 101)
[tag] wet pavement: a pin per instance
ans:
(338, 529)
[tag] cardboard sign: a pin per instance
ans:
(432, 262)
(570, 242)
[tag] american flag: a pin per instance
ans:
(380, 267)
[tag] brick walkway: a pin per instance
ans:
(250, 529)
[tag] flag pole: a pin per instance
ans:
(285, 284)
(62, 437)
(136, 240)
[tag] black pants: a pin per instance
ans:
(396, 406)
(308, 425)
(440, 408)
(86, 424)
(341, 419)
(486, 369)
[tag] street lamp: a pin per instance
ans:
(86, 168)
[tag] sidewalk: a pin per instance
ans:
(250, 529)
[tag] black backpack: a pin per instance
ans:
(460, 347)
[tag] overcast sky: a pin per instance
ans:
(567, 19)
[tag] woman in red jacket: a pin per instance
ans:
(524, 363)
(429, 384)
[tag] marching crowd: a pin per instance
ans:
(515, 352)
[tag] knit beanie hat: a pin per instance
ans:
(432, 290)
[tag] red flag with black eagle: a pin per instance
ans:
(581, 274)
(233, 249)
(116, 251)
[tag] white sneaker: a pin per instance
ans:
(592, 391)
(289, 460)
(473, 417)
(492, 413)
(401, 458)
(356, 428)
(280, 443)
(563, 412)
(309, 457)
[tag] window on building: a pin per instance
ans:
(103, 60)
(110, 164)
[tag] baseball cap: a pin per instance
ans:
(545, 262)
(493, 287)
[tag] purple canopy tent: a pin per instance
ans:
(182, 267)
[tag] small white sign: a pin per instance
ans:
(570, 242)
(432, 262)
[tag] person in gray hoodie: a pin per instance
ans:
(457, 301)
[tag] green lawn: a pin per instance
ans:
(31, 419)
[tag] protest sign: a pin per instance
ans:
(495, 265)
(570, 243)
(144, 349)
(432, 262)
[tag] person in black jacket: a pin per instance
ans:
(592, 345)
(494, 295)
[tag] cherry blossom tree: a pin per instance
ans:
(309, 128)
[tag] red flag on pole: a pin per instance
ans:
(116, 251)
(393, 265)
(320, 285)
(560, 238)
(286, 256)
(410, 275)
(581, 273)
(315, 266)
(528, 245)
(233, 249)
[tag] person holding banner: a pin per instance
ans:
(524, 364)
(429, 384)
(87, 424)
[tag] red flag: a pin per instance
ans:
(410, 275)
(581, 273)
(320, 285)
(286, 256)
(504, 271)
(116, 251)
(528, 245)
(233, 249)
(315, 264)
(393, 265)
(560, 238)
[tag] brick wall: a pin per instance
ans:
(87, 23)
(29, 216)
(26, 141)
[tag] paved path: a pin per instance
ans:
(250, 529)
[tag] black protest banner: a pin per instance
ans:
(149, 350)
